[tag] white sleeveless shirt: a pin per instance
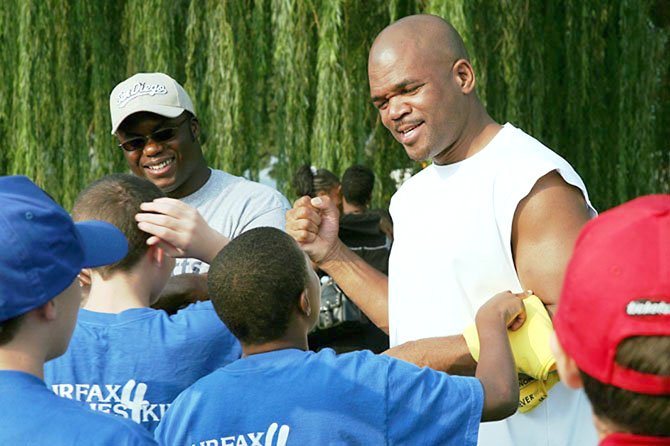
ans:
(452, 252)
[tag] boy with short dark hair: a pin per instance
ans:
(279, 393)
(42, 252)
(126, 358)
(357, 184)
(613, 322)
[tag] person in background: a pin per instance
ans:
(314, 182)
(357, 184)
(43, 252)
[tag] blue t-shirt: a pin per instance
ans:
(135, 363)
(31, 415)
(293, 397)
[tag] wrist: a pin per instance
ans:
(491, 321)
(215, 243)
(334, 256)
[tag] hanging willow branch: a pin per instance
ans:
(150, 38)
(34, 134)
(258, 69)
(289, 78)
(9, 54)
(332, 142)
(224, 114)
(106, 68)
(292, 83)
(638, 87)
(71, 119)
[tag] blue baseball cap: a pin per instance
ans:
(43, 250)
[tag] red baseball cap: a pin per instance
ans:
(617, 285)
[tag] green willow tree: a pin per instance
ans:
(287, 80)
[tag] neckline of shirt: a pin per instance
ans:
(453, 167)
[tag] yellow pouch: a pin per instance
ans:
(533, 391)
(530, 343)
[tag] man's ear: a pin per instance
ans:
(305, 306)
(465, 75)
(195, 128)
(567, 368)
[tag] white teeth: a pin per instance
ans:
(159, 166)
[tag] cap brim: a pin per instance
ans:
(167, 111)
(102, 243)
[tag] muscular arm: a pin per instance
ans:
(545, 226)
(363, 284)
(447, 354)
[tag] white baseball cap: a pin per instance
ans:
(148, 92)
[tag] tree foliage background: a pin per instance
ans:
(288, 78)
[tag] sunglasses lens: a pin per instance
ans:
(133, 144)
(164, 135)
(159, 136)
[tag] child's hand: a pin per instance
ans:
(179, 229)
(507, 305)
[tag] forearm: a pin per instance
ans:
(363, 284)
(182, 290)
(496, 370)
(447, 354)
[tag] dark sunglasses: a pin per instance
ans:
(159, 136)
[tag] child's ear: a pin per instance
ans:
(157, 255)
(305, 306)
(85, 277)
(567, 368)
(48, 311)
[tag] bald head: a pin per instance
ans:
(423, 85)
(427, 34)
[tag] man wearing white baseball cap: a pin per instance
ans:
(43, 252)
(155, 122)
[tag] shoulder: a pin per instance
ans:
(358, 363)
(196, 314)
(199, 316)
(522, 152)
(201, 321)
(200, 306)
(252, 190)
(524, 164)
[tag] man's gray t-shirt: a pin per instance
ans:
(232, 205)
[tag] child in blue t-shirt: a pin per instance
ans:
(42, 252)
(125, 357)
(280, 393)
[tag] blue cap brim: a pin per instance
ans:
(102, 243)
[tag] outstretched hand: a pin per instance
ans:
(314, 224)
(179, 229)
